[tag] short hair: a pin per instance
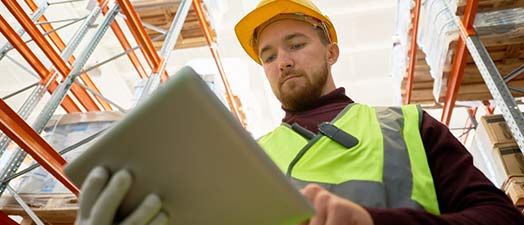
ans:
(323, 35)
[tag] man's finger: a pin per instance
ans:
(346, 212)
(320, 203)
(336, 214)
(146, 212)
(105, 207)
(311, 191)
(91, 189)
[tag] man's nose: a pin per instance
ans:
(285, 61)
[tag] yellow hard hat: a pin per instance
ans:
(268, 9)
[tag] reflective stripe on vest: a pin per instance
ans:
(387, 168)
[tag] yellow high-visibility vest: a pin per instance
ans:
(387, 168)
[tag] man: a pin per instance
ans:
(381, 165)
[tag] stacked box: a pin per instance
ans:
(496, 153)
(493, 143)
(493, 131)
(514, 188)
(508, 162)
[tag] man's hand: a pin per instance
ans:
(101, 195)
(334, 210)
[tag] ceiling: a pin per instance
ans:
(365, 30)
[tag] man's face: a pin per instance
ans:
(295, 62)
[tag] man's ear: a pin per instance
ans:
(333, 53)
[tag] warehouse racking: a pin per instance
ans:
(184, 24)
(160, 29)
(475, 70)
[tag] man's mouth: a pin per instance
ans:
(289, 77)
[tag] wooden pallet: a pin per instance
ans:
(505, 46)
(161, 13)
(55, 209)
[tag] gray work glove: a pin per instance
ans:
(101, 196)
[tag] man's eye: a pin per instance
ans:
(269, 58)
(297, 46)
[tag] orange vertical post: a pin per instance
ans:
(412, 53)
(459, 61)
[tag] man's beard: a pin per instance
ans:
(297, 96)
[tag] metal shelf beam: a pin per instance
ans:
(498, 88)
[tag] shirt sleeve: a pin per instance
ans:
(464, 194)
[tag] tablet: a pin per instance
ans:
(185, 146)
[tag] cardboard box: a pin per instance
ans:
(512, 159)
(514, 188)
(507, 161)
(494, 130)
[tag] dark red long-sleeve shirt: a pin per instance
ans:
(464, 194)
